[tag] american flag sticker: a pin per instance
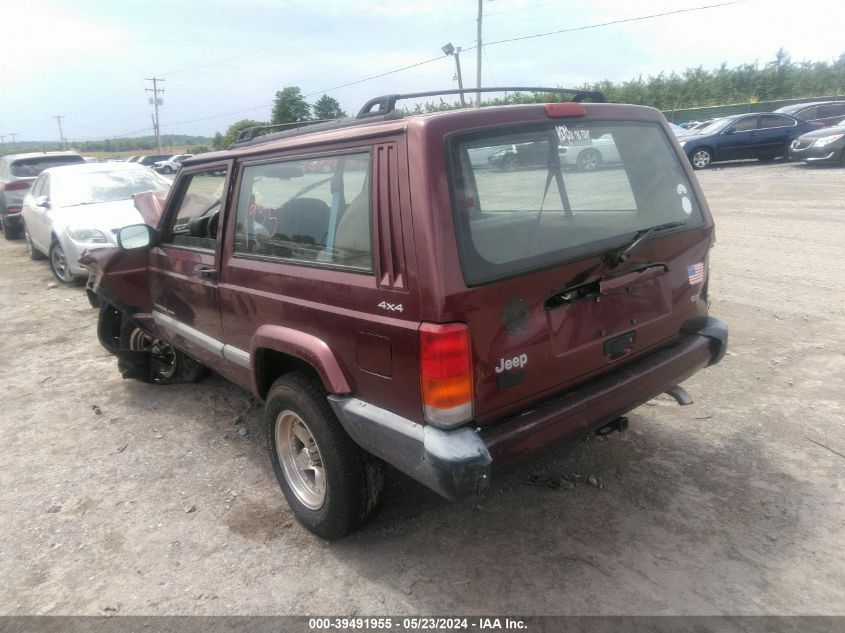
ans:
(695, 273)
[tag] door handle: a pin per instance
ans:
(206, 272)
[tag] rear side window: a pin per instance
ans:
(833, 109)
(307, 211)
(775, 120)
(32, 167)
(542, 195)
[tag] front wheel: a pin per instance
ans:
(59, 264)
(331, 485)
(168, 365)
(701, 158)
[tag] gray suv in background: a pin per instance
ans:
(17, 173)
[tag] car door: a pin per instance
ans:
(737, 140)
(184, 267)
(37, 218)
(775, 133)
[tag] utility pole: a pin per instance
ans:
(13, 135)
(478, 58)
(451, 50)
(156, 102)
(59, 118)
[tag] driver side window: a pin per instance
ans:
(197, 218)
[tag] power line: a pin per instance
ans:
(621, 21)
(465, 49)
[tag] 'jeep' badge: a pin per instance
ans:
(512, 363)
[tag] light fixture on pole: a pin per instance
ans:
(448, 49)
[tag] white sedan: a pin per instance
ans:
(78, 207)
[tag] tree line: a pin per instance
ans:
(780, 78)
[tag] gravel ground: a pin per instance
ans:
(127, 498)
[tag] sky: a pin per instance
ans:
(223, 61)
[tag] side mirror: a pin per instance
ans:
(730, 130)
(43, 202)
(135, 236)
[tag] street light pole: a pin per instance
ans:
(451, 50)
(478, 58)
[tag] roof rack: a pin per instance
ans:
(386, 111)
(387, 103)
(254, 136)
(247, 134)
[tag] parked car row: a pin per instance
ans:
(79, 207)
(808, 131)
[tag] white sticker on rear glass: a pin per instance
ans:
(686, 205)
(682, 190)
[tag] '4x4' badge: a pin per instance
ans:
(390, 307)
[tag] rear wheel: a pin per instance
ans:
(701, 158)
(588, 160)
(509, 162)
(10, 232)
(331, 485)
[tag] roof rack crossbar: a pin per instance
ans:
(387, 103)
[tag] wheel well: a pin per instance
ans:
(271, 364)
(701, 147)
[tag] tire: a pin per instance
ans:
(588, 160)
(167, 169)
(58, 264)
(331, 484)
(10, 232)
(701, 158)
(509, 163)
(33, 252)
(168, 365)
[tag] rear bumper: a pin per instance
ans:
(456, 463)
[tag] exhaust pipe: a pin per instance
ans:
(680, 396)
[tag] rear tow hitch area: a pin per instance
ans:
(680, 395)
(619, 424)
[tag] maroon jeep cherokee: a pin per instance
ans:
(420, 304)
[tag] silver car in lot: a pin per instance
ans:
(17, 173)
(81, 207)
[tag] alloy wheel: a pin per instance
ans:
(300, 459)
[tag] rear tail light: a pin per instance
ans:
(17, 185)
(13, 210)
(446, 373)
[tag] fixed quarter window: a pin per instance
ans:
(307, 211)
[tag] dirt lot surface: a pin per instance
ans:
(122, 497)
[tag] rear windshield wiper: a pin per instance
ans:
(614, 259)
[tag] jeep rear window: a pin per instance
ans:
(537, 196)
(32, 167)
